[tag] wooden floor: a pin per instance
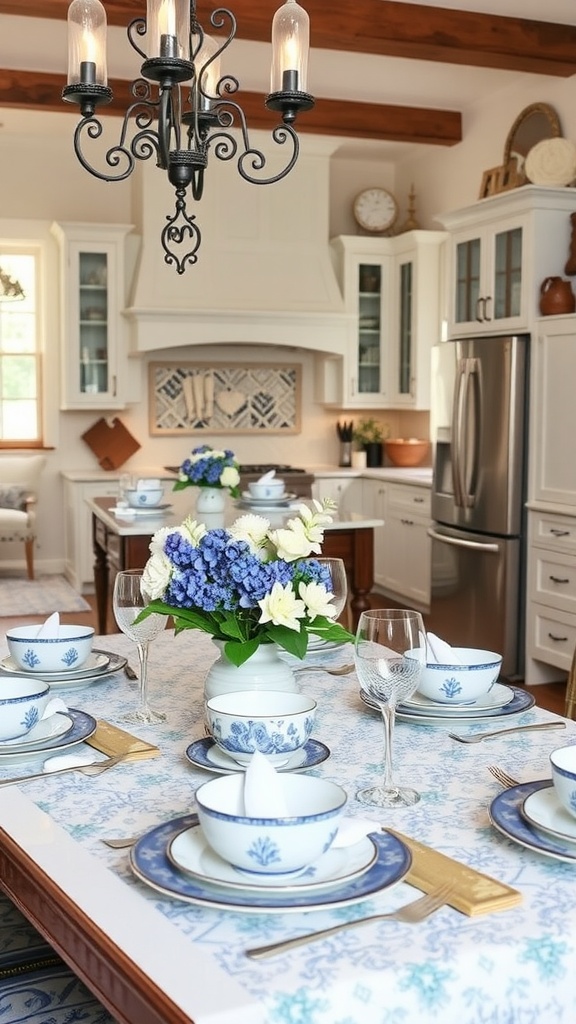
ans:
(548, 695)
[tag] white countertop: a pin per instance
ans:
(419, 475)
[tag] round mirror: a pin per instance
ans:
(537, 122)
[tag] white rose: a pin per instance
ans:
(230, 477)
(254, 531)
(156, 576)
(317, 600)
(281, 607)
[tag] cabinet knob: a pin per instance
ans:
(558, 579)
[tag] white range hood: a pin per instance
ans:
(264, 274)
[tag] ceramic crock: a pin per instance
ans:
(265, 670)
(556, 296)
(211, 499)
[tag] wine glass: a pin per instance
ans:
(128, 601)
(390, 655)
(339, 585)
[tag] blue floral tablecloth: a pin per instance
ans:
(511, 966)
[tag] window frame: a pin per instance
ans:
(30, 247)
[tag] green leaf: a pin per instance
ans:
(238, 653)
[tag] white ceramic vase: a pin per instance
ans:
(265, 670)
(211, 499)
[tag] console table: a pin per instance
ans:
(124, 544)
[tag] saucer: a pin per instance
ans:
(190, 852)
(521, 701)
(59, 724)
(150, 863)
(205, 753)
(543, 810)
(95, 663)
(280, 500)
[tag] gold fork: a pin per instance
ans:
(344, 670)
(502, 777)
(412, 913)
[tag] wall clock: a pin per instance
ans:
(375, 209)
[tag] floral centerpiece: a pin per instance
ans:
(208, 467)
(246, 585)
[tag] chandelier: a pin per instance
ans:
(182, 108)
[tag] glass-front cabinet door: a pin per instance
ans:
(94, 346)
(370, 326)
(488, 279)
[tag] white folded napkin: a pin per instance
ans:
(50, 629)
(267, 477)
(439, 651)
(263, 796)
(148, 484)
(352, 830)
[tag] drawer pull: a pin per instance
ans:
(407, 522)
(558, 579)
(560, 533)
(557, 639)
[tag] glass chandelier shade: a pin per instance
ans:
(87, 43)
(183, 108)
(290, 45)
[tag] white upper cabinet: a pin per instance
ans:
(552, 472)
(501, 250)
(391, 292)
(94, 349)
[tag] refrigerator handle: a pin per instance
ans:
(472, 403)
(472, 545)
(456, 443)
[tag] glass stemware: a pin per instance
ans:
(390, 655)
(128, 601)
(339, 585)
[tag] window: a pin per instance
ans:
(20, 354)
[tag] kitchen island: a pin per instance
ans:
(123, 543)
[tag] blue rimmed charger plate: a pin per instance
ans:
(506, 815)
(83, 726)
(150, 863)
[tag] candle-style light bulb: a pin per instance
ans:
(87, 43)
(290, 45)
(167, 28)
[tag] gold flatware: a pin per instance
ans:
(502, 777)
(87, 769)
(343, 670)
(412, 913)
(129, 672)
(121, 844)
(479, 736)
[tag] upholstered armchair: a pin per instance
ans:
(19, 477)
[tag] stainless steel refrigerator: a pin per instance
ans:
(480, 419)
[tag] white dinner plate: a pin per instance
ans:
(83, 726)
(280, 500)
(522, 701)
(505, 814)
(43, 732)
(190, 852)
(75, 680)
(497, 697)
(544, 810)
(150, 863)
(94, 664)
(129, 513)
(205, 753)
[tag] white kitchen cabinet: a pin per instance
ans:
(94, 334)
(374, 496)
(78, 547)
(501, 249)
(407, 552)
(551, 609)
(346, 491)
(391, 289)
(552, 470)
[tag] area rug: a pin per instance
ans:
(41, 596)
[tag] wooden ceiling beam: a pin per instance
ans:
(386, 28)
(35, 90)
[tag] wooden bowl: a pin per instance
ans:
(404, 451)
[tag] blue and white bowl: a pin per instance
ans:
(461, 683)
(66, 652)
(271, 846)
(144, 497)
(563, 762)
(23, 701)
(275, 722)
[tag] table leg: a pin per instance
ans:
(101, 587)
(361, 573)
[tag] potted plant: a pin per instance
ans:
(369, 434)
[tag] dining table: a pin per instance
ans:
(158, 947)
(121, 540)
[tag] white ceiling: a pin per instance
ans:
(26, 43)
